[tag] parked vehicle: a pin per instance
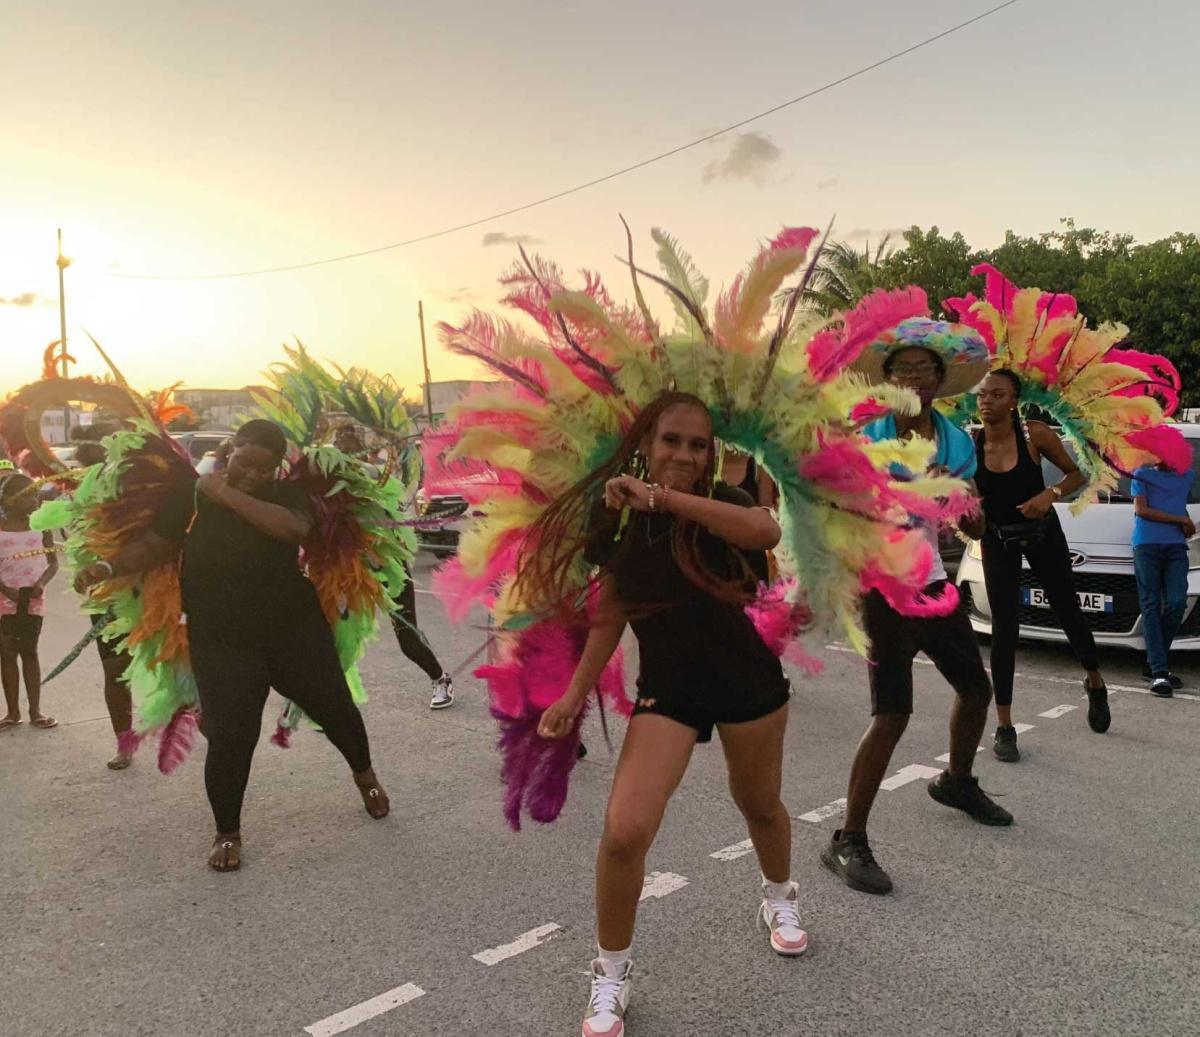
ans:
(1102, 560)
(200, 443)
(441, 540)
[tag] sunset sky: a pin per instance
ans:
(169, 137)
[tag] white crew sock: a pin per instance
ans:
(613, 962)
(776, 890)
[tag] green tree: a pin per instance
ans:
(844, 275)
(940, 265)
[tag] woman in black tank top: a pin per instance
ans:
(1021, 521)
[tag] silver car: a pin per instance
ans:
(1102, 559)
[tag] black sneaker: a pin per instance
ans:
(1161, 686)
(965, 794)
(850, 858)
(1005, 745)
(1149, 678)
(1098, 716)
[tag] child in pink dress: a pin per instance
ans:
(27, 564)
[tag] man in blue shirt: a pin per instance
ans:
(1161, 529)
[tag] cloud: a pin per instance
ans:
(748, 159)
(498, 237)
(458, 296)
(827, 184)
(24, 299)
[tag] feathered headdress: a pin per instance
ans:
(1109, 402)
(776, 386)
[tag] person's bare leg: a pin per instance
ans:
(119, 702)
(968, 718)
(31, 669)
(1004, 716)
(870, 765)
(10, 677)
(652, 762)
(754, 758)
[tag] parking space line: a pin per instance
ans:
(365, 1010)
(907, 775)
(1057, 711)
(822, 813)
(524, 942)
(659, 884)
(732, 853)
(945, 757)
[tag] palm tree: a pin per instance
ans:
(844, 275)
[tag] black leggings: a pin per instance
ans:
(1051, 564)
(302, 665)
(408, 634)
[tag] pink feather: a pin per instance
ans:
(282, 737)
(832, 350)
(458, 591)
(128, 742)
(779, 622)
(1166, 443)
(176, 740)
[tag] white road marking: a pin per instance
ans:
(821, 813)
(360, 1013)
(1022, 728)
(1057, 711)
(659, 884)
(913, 772)
(732, 853)
(524, 942)
(945, 757)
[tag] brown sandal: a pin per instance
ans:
(221, 858)
(374, 798)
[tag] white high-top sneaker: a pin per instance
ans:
(783, 919)
(610, 998)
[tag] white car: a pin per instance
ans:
(1102, 560)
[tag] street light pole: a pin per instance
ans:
(425, 362)
(63, 262)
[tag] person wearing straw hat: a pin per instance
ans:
(933, 359)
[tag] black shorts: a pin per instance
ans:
(739, 709)
(25, 628)
(949, 642)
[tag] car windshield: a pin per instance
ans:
(1121, 494)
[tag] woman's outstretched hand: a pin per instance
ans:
(557, 721)
(627, 492)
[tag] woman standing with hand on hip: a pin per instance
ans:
(680, 571)
(1021, 521)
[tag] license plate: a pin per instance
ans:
(1089, 601)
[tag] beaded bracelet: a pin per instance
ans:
(653, 492)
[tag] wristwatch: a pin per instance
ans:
(1056, 490)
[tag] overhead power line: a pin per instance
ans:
(588, 183)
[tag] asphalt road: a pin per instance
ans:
(1084, 918)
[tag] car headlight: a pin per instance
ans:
(975, 549)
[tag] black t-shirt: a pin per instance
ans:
(693, 646)
(238, 583)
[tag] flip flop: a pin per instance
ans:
(44, 723)
(8, 725)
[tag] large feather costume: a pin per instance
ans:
(776, 386)
(356, 554)
(1110, 403)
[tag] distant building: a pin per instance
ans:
(443, 395)
(218, 408)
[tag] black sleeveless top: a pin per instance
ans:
(749, 485)
(1002, 492)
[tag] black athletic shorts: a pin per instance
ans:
(949, 642)
(24, 628)
(739, 708)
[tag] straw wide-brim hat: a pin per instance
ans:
(961, 349)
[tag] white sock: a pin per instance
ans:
(613, 962)
(776, 890)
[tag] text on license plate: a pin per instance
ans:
(1089, 601)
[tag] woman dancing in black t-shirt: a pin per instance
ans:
(679, 571)
(254, 621)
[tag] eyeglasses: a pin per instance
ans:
(922, 370)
